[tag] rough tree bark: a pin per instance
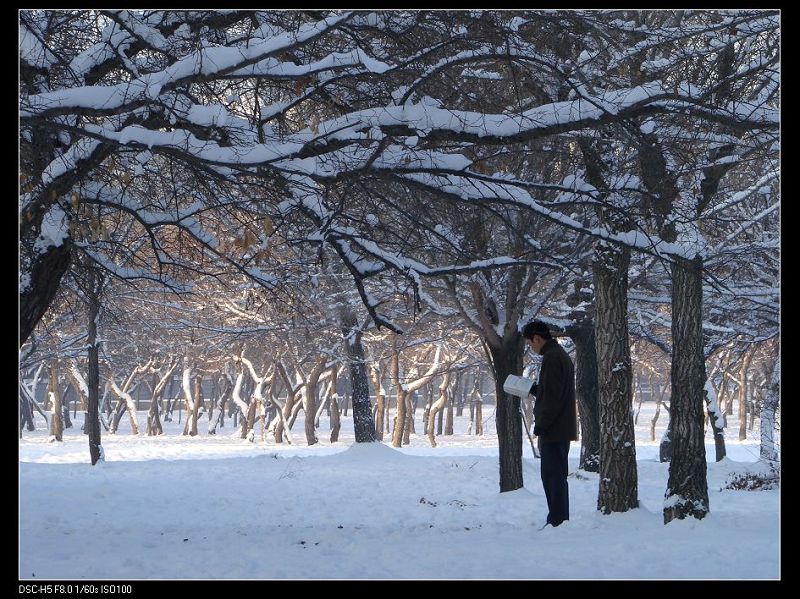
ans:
(687, 487)
(363, 423)
(507, 359)
(586, 393)
(618, 490)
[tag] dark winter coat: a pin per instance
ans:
(555, 411)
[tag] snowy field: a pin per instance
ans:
(218, 507)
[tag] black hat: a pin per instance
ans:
(536, 327)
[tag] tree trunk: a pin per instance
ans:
(744, 389)
(56, 422)
(119, 411)
(250, 418)
(283, 426)
(618, 489)
(722, 399)
(310, 406)
(333, 402)
(659, 395)
(665, 446)
(411, 406)
(462, 396)
(46, 271)
(125, 402)
(78, 384)
(426, 413)
(586, 392)
(65, 406)
(437, 406)
(638, 397)
(219, 416)
(153, 416)
(380, 398)
(169, 405)
(93, 375)
(448, 425)
(715, 420)
(400, 412)
(310, 409)
(507, 359)
(363, 423)
(769, 449)
(687, 487)
(187, 398)
(197, 404)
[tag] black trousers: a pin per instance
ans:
(554, 480)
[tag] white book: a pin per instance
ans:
(518, 385)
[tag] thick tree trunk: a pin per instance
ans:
(586, 392)
(687, 487)
(507, 359)
(46, 272)
(363, 423)
(618, 490)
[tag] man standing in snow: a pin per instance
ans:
(555, 415)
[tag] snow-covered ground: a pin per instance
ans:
(211, 507)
